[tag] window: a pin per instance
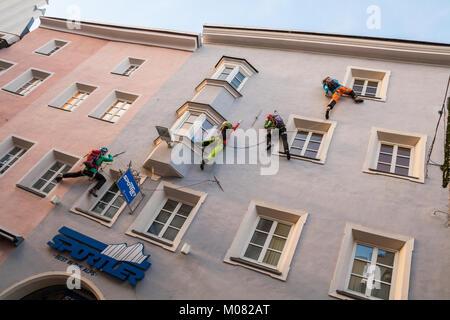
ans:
(371, 272)
(167, 215)
(309, 139)
(394, 159)
(196, 127)
(40, 180)
(128, 66)
(235, 71)
(368, 83)
(397, 154)
(47, 181)
(27, 82)
(114, 106)
(365, 88)
(51, 47)
(116, 110)
(266, 239)
(372, 264)
(72, 97)
(11, 150)
(170, 220)
(5, 65)
(110, 202)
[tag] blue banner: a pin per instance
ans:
(128, 186)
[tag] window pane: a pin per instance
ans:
(108, 197)
(296, 152)
(66, 169)
(282, 229)
(119, 201)
(372, 84)
(155, 228)
(259, 238)
(114, 188)
(302, 135)
(49, 187)
(384, 273)
(57, 166)
(357, 284)
(404, 151)
(163, 216)
(381, 290)
(359, 82)
(384, 167)
(223, 76)
(371, 91)
(298, 143)
(99, 207)
(39, 184)
(363, 252)
(311, 154)
(184, 210)
(272, 257)
(403, 161)
(235, 83)
(207, 125)
(14, 151)
(170, 234)
(401, 171)
(6, 158)
(111, 212)
(357, 89)
(385, 158)
(314, 145)
(264, 225)
(385, 257)
(316, 137)
(360, 268)
(277, 243)
(386, 148)
(170, 205)
(240, 76)
(177, 222)
(253, 252)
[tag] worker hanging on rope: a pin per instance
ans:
(92, 164)
(337, 90)
(218, 142)
(274, 121)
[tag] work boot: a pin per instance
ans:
(358, 100)
(202, 166)
(288, 155)
(93, 191)
(59, 178)
(269, 146)
(327, 113)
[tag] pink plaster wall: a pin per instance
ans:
(86, 60)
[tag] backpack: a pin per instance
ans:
(91, 159)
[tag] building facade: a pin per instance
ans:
(350, 216)
(67, 91)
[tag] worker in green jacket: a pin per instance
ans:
(273, 122)
(92, 164)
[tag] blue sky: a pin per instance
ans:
(402, 19)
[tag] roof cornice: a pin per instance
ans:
(376, 48)
(152, 37)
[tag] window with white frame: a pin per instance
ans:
(75, 100)
(235, 71)
(10, 158)
(5, 65)
(117, 110)
(128, 66)
(11, 150)
(397, 154)
(371, 271)
(47, 181)
(268, 241)
(72, 97)
(110, 203)
(114, 106)
(51, 47)
(368, 83)
(309, 139)
(170, 220)
(27, 82)
(393, 158)
(196, 126)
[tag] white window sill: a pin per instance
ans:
(394, 175)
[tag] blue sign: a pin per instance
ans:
(118, 260)
(128, 186)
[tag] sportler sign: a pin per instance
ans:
(118, 260)
(128, 186)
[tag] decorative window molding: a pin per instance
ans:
(369, 84)
(27, 82)
(397, 154)
(114, 106)
(40, 179)
(72, 97)
(11, 150)
(376, 257)
(109, 204)
(167, 215)
(235, 71)
(309, 138)
(5, 66)
(266, 239)
(128, 66)
(51, 47)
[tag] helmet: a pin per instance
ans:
(269, 116)
(104, 149)
(325, 79)
(226, 124)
